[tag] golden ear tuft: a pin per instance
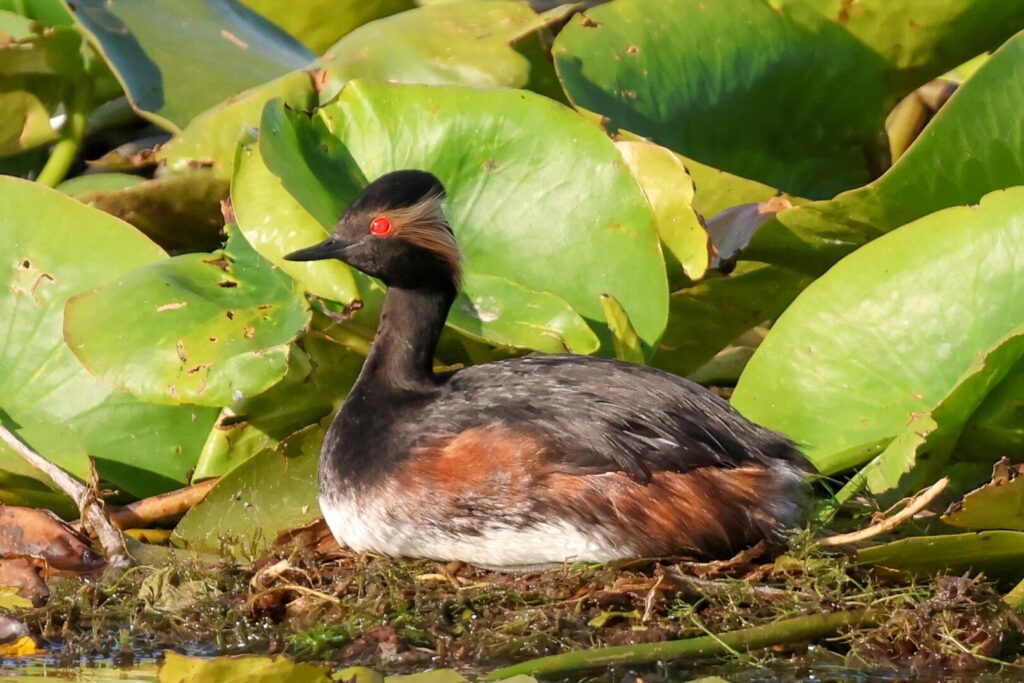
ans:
(425, 225)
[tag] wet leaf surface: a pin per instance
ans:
(207, 329)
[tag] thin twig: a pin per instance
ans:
(797, 629)
(144, 512)
(89, 506)
(918, 503)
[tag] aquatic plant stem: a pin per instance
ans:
(64, 152)
(916, 504)
(794, 630)
(144, 512)
(89, 506)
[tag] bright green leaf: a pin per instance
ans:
(998, 504)
(974, 145)
(274, 223)
(212, 138)
(53, 248)
(501, 312)
(624, 340)
(888, 332)
(207, 329)
(529, 184)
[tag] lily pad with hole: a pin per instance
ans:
(53, 248)
(205, 329)
(999, 504)
(274, 489)
(320, 373)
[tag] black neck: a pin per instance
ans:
(402, 355)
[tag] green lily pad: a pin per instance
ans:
(212, 138)
(886, 334)
(54, 248)
(670, 191)
(501, 312)
(468, 42)
(321, 23)
(180, 213)
(177, 58)
(239, 669)
(974, 145)
(746, 87)
(710, 314)
(274, 223)
(998, 504)
(206, 329)
(924, 449)
(273, 490)
(528, 182)
(999, 554)
(920, 38)
(320, 373)
(650, 68)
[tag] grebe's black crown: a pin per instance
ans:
(396, 230)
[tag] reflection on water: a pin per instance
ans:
(37, 669)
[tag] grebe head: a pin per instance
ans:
(396, 231)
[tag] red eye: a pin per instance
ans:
(381, 225)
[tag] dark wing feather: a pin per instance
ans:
(600, 414)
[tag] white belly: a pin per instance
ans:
(368, 527)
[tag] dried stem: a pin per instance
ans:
(144, 512)
(89, 506)
(917, 503)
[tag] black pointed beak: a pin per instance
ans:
(329, 248)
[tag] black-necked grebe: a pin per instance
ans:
(530, 461)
